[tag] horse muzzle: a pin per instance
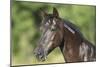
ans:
(41, 55)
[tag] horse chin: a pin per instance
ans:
(40, 54)
(41, 58)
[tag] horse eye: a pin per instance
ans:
(48, 21)
(54, 22)
(53, 27)
(47, 24)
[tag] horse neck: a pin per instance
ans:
(71, 44)
(71, 32)
(70, 38)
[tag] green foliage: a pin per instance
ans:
(26, 20)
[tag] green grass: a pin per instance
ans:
(54, 57)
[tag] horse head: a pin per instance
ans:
(52, 34)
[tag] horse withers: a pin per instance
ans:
(57, 32)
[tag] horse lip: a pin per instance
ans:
(40, 57)
(43, 58)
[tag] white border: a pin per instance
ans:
(5, 33)
(85, 2)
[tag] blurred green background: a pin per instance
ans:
(25, 23)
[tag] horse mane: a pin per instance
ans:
(73, 27)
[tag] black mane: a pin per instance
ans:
(73, 27)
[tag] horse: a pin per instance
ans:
(56, 32)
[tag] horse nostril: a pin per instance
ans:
(37, 53)
(40, 54)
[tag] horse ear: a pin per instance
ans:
(55, 12)
(43, 13)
